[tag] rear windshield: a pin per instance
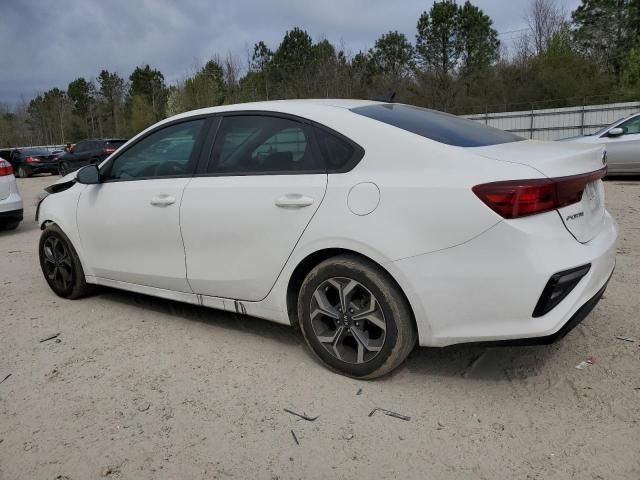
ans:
(438, 126)
(35, 151)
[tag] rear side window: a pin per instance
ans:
(438, 126)
(256, 144)
(338, 154)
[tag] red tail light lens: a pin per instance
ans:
(519, 198)
(5, 168)
(108, 150)
(32, 160)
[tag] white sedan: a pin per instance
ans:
(622, 141)
(372, 226)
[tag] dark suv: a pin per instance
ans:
(86, 152)
(27, 161)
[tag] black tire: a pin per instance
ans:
(22, 172)
(68, 280)
(395, 342)
(10, 225)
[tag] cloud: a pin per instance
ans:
(48, 43)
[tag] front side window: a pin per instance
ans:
(164, 153)
(247, 144)
(631, 126)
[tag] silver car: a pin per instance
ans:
(10, 200)
(622, 140)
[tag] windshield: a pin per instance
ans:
(438, 126)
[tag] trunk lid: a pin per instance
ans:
(583, 219)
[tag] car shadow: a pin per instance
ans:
(194, 313)
(468, 361)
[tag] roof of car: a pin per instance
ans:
(294, 107)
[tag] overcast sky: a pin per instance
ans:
(48, 43)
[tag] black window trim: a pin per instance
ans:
(194, 158)
(310, 127)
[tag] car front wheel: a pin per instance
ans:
(354, 317)
(60, 264)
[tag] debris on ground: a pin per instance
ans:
(359, 392)
(390, 413)
(144, 407)
(302, 416)
(626, 339)
(586, 363)
(50, 338)
(295, 439)
(348, 436)
(5, 378)
(440, 426)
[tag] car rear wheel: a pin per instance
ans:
(354, 317)
(60, 264)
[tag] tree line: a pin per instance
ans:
(456, 62)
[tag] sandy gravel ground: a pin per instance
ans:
(141, 388)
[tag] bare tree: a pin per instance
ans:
(545, 18)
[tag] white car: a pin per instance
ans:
(371, 226)
(10, 200)
(622, 141)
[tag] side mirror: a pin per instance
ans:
(89, 175)
(615, 132)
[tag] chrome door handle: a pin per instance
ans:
(294, 200)
(163, 200)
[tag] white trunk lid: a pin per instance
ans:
(554, 159)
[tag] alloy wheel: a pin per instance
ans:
(57, 265)
(348, 320)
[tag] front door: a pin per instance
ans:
(130, 223)
(242, 219)
(623, 152)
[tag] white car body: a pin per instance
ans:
(233, 243)
(622, 141)
(11, 207)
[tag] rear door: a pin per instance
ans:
(623, 151)
(242, 217)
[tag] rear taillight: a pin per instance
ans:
(32, 160)
(5, 168)
(108, 150)
(519, 198)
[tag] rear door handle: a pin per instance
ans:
(163, 200)
(294, 200)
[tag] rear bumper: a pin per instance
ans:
(486, 290)
(43, 168)
(11, 207)
(12, 215)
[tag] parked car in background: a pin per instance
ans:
(28, 161)
(622, 141)
(87, 152)
(5, 153)
(373, 226)
(10, 200)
